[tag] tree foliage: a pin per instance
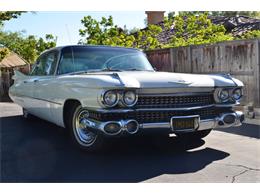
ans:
(8, 15)
(189, 29)
(253, 14)
(28, 47)
(3, 52)
(194, 29)
(105, 32)
(251, 34)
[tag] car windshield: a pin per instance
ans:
(89, 59)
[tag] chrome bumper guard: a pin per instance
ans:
(223, 121)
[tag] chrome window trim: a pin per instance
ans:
(41, 56)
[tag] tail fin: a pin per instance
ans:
(18, 75)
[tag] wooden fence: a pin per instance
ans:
(239, 58)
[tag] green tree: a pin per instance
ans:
(3, 52)
(28, 47)
(251, 34)
(194, 29)
(253, 14)
(105, 32)
(5, 16)
(8, 15)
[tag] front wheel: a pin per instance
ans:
(197, 135)
(81, 135)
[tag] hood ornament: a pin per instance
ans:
(180, 82)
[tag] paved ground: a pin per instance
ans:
(37, 151)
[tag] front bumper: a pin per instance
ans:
(224, 120)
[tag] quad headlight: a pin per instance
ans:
(123, 98)
(223, 95)
(110, 98)
(129, 98)
(237, 94)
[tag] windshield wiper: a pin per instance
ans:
(78, 72)
(110, 70)
(135, 69)
(94, 70)
(132, 69)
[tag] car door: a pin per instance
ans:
(23, 90)
(44, 86)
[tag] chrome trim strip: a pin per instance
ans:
(174, 94)
(167, 109)
(25, 96)
(227, 105)
(170, 90)
(203, 124)
(123, 110)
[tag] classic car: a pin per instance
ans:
(96, 92)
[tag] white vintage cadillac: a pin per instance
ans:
(100, 91)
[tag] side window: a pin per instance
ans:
(66, 63)
(51, 61)
(45, 64)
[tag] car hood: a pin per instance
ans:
(150, 79)
(146, 79)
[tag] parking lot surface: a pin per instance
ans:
(38, 151)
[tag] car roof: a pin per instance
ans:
(88, 46)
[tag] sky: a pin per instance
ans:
(66, 25)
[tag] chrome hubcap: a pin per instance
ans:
(82, 131)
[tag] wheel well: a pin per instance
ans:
(66, 108)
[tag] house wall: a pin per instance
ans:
(239, 58)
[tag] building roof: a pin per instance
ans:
(236, 25)
(12, 60)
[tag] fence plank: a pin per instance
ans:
(239, 58)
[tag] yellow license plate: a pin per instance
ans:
(185, 123)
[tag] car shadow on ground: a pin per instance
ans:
(246, 129)
(38, 151)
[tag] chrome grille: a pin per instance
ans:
(158, 116)
(174, 101)
(165, 116)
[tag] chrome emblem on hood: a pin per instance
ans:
(180, 82)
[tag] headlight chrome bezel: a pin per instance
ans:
(120, 94)
(230, 98)
(227, 97)
(103, 96)
(124, 95)
(233, 93)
